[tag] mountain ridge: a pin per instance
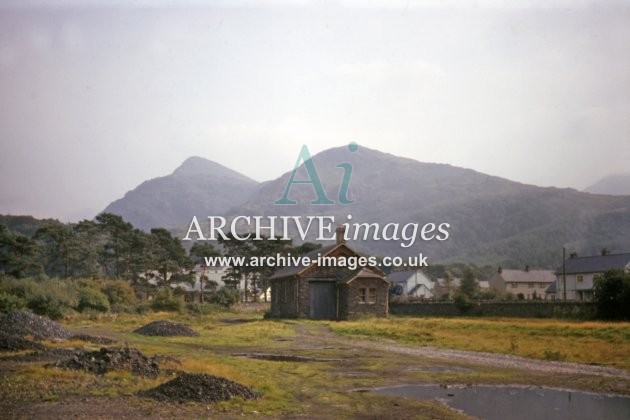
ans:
(493, 220)
(616, 184)
(171, 200)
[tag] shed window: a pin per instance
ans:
(367, 295)
(531, 285)
(514, 285)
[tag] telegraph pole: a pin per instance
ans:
(564, 275)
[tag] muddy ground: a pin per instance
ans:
(362, 365)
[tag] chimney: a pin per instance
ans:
(340, 235)
(500, 270)
(605, 252)
(527, 268)
(573, 255)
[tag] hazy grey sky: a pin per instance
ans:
(98, 96)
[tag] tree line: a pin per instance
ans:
(110, 247)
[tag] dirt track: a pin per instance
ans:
(348, 361)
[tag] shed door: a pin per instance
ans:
(323, 300)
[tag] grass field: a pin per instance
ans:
(581, 342)
(321, 389)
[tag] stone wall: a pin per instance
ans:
(351, 308)
(542, 309)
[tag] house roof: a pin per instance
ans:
(596, 264)
(292, 270)
(404, 276)
(400, 276)
(528, 276)
(360, 272)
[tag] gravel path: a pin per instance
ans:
(322, 336)
(498, 360)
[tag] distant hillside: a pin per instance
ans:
(25, 225)
(613, 184)
(198, 187)
(493, 220)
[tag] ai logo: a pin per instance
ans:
(313, 179)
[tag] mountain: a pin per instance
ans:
(492, 220)
(613, 184)
(198, 187)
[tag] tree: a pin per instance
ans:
(271, 248)
(448, 282)
(140, 257)
(611, 293)
(60, 248)
(198, 253)
(238, 249)
(19, 255)
(305, 248)
(90, 241)
(169, 255)
(468, 284)
(118, 235)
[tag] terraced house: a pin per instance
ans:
(530, 284)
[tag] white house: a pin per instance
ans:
(579, 272)
(531, 284)
(413, 283)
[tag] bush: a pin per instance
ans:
(92, 300)
(165, 301)
(507, 297)
(120, 294)
(47, 306)
(9, 303)
(225, 297)
(487, 294)
(463, 303)
(202, 308)
(142, 308)
(611, 294)
(52, 298)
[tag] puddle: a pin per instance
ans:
(514, 402)
(236, 320)
(440, 369)
(284, 357)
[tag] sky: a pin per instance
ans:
(98, 96)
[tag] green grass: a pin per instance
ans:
(318, 389)
(582, 342)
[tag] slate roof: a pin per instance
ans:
(531, 276)
(294, 269)
(596, 264)
(400, 276)
(360, 272)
